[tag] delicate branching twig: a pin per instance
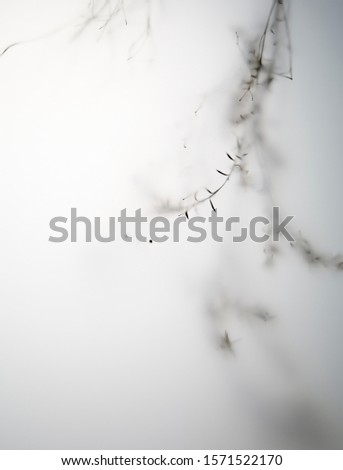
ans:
(212, 194)
(262, 70)
(119, 7)
(9, 47)
(313, 256)
(140, 42)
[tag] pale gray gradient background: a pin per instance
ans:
(111, 346)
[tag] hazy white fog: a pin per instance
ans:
(118, 345)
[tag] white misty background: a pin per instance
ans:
(118, 345)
